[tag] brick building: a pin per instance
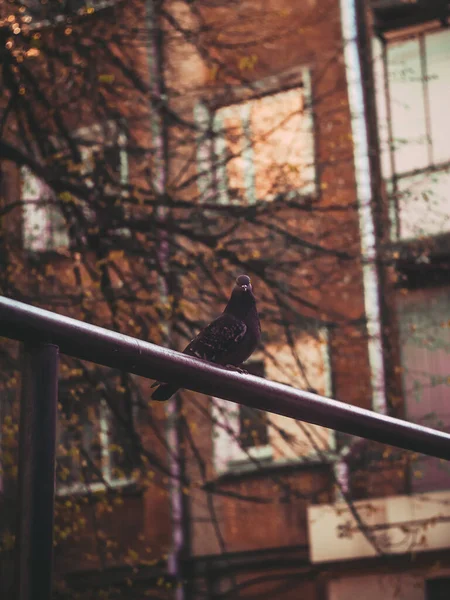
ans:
(405, 82)
(280, 116)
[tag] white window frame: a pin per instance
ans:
(79, 487)
(228, 455)
(44, 215)
(211, 154)
(93, 133)
(43, 224)
(396, 179)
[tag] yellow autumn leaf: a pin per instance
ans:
(247, 62)
(116, 255)
(212, 73)
(106, 78)
(65, 196)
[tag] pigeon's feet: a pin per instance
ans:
(237, 369)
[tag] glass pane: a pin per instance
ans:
(307, 367)
(282, 144)
(253, 427)
(382, 107)
(234, 153)
(44, 227)
(407, 106)
(266, 147)
(79, 448)
(120, 447)
(424, 320)
(203, 123)
(225, 417)
(424, 204)
(253, 422)
(438, 72)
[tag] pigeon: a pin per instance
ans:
(229, 340)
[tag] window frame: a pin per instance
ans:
(105, 416)
(226, 418)
(249, 459)
(49, 206)
(417, 383)
(211, 144)
(46, 225)
(393, 177)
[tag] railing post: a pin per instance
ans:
(34, 545)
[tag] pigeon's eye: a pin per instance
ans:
(243, 280)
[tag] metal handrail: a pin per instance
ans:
(102, 346)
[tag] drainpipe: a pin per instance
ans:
(363, 177)
(172, 406)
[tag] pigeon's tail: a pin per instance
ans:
(164, 391)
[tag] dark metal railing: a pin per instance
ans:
(44, 333)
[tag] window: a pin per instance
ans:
(258, 149)
(253, 430)
(104, 165)
(239, 433)
(44, 226)
(243, 436)
(424, 321)
(412, 75)
(93, 447)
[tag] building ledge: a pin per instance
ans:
(420, 261)
(399, 524)
(395, 14)
(436, 246)
(262, 466)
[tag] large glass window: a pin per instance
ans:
(94, 447)
(245, 437)
(258, 149)
(424, 320)
(103, 168)
(412, 75)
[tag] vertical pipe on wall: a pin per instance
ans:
(172, 406)
(349, 24)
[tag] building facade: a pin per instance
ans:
(404, 503)
(304, 143)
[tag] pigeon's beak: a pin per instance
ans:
(245, 288)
